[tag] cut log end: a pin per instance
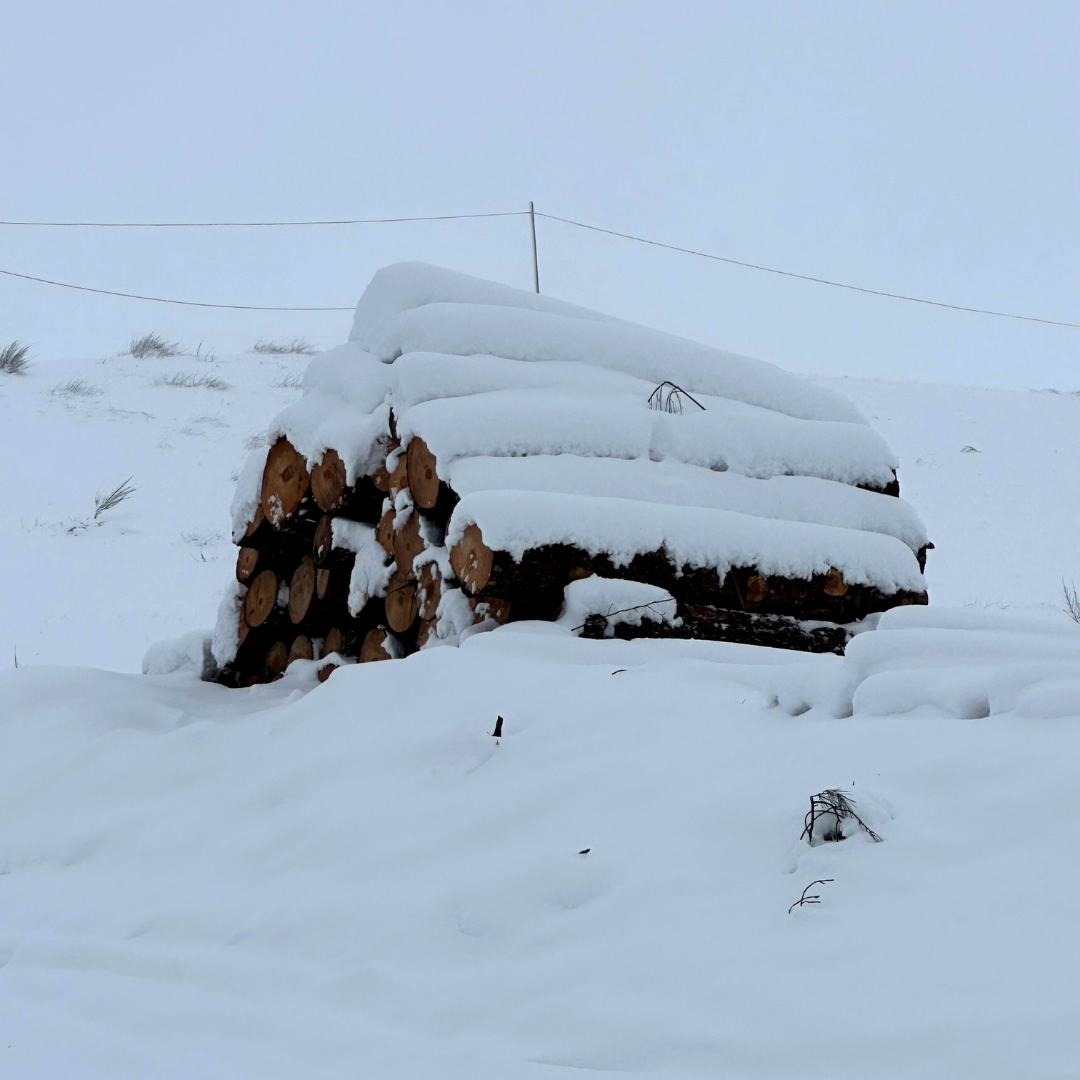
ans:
(401, 601)
(407, 542)
(835, 585)
(328, 482)
(381, 476)
(301, 589)
(399, 476)
(429, 590)
(374, 647)
(261, 597)
(256, 521)
(472, 560)
(246, 561)
(423, 479)
(285, 481)
(301, 649)
(332, 642)
(385, 532)
(277, 659)
(322, 583)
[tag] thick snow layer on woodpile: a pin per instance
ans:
(691, 536)
(542, 418)
(791, 498)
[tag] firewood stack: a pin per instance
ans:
(413, 494)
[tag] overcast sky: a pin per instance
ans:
(929, 149)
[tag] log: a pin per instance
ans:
(256, 521)
(374, 647)
(401, 601)
(472, 560)
(407, 542)
(326, 671)
(260, 598)
(282, 548)
(385, 532)
(332, 642)
(285, 482)
(301, 590)
(328, 481)
(246, 560)
(301, 648)
(535, 584)
(702, 622)
(277, 659)
(323, 541)
(423, 479)
(490, 607)
(427, 629)
(381, 476)
(399, 476)
(428, 590)
(322, 583)
(329, 490)
(242, 630)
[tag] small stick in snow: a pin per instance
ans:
(585, 851)
(815, 899)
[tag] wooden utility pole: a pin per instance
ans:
(536, 268)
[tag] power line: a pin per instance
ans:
(252, 224)
(459, 217)
(165, 300)
(808, 277)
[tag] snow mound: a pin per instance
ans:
(949, 662)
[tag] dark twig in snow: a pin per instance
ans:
(834, 804)
(497, 733)
(623, 611)
(815, 899)
(667, 397)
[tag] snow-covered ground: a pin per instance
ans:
(357, 880)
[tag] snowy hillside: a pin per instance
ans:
(1005, 535)
(357, 879)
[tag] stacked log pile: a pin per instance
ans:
(372, 554)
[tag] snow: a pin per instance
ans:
(620, 602)
(270, 883)
(355, 878)
(791, 498)
(369, 576)
(412, 307)
(729, 435)
(514, 522)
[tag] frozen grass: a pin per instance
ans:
(188, 382)
(295, 347)
(112, 499)
(1072, 601)
(294, 380)
(153, 345)
(14, 358)
(74, 388)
